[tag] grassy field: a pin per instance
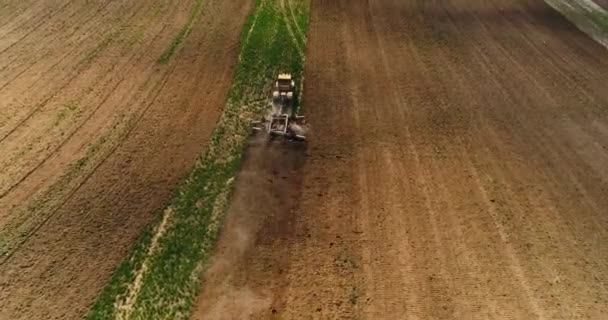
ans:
(160, 279)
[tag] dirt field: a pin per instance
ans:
(96, 132)
(457, 169)
(602, 3)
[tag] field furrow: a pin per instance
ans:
(100, 133)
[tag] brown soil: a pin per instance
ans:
(266, 193)
(96, 134)
(602, 3)
(456, 170)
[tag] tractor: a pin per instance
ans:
(282, 119)
(284, 89)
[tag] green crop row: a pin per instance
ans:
(161, 277)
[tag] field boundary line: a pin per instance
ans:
(586, 15)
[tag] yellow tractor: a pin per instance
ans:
(282, 119)
(284, 89)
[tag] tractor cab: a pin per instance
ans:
(285, 83)
(282, 119)
(284, 88)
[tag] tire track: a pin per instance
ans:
(295, 21)
(15, 15)
(138, 115)
(289, 28)
(438, 66)
(72, 133)
(82, 65)
(87, 21)
(440, 292)
(75, 130)
(558, 62)
(541, 146)
(6, 258)
(66, 140)
(40, 23)
(531, 78)
(462, 87)
(135, 58)
(92, 231)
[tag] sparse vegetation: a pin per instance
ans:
(182, 34)
(100, 47)
(161, 277)
(66, 111)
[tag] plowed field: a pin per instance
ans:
(457, 169)
(602, 3)
(104, 107)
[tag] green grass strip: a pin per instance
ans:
(168, 285)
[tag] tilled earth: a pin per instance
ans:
(602, 3)
(96, 130)
(457, 169)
